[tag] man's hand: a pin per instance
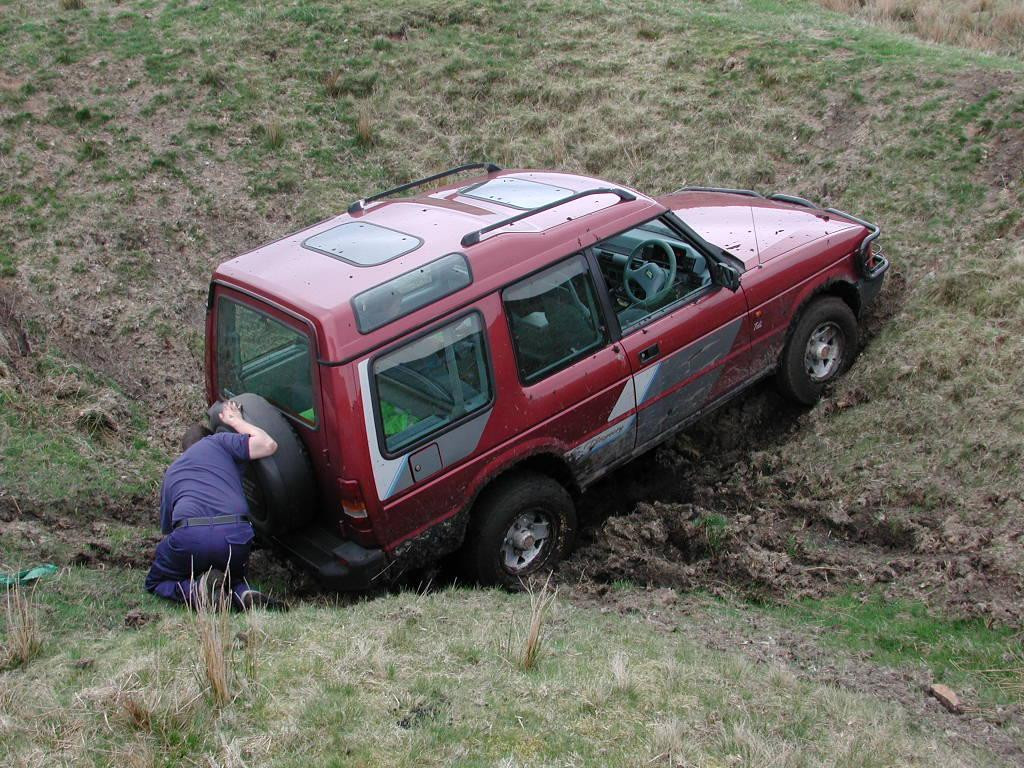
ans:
(261, 444)
(231, 413)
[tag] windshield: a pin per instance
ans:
(259, 354)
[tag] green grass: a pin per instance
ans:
(423, 680)
(893, 632)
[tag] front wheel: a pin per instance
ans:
(822, 346)
(523, 524)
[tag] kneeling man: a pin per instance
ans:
(205, 517)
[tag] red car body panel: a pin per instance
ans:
(588, 417)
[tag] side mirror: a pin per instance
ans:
(726, 275)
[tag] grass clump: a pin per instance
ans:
(714, 530)
(333, 82)
(213, 635)
(72, 5)
(24, 636)
(365, 135)
(272, 132)
(523, 649)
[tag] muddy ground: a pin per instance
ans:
(697, 514)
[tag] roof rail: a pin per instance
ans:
(472, 238)
(359, 205)
(795, 201)
(747, 192)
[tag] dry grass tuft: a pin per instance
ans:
(24, 635)
(213, 630)
(250, 641)
(669, 740)
(622, 676)
(524, 650)
(72, 5)
(334, 84)
(272, 132)
(365, 134)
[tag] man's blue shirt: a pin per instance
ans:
(206, 480)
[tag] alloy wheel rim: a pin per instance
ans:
(824, 351)
(526, 541)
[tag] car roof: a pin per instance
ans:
(309, 272)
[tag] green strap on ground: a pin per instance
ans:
(28, 575)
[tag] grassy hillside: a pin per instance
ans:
(142, 143)
(433, 680)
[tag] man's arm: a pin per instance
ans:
(261, 444)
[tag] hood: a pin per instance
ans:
(753, 229)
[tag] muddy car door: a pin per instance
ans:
(685, 336)
(572, 377)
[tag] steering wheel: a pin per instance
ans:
(654, 279)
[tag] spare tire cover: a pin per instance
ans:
(280, 489)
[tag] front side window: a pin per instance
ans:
(649, 268)
(554, 319)
(260, 354)
(431, 382)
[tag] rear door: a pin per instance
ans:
(575, 383)
(266, 351)
(686, 338)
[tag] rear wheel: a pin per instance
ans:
(821, 347)
(523, 524)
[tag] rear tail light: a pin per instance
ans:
(352, 503)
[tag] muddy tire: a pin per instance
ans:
(280, 489)
(821, 348)
(523, 524)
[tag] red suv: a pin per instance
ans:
(447, 372)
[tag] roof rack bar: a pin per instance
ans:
(747, 192)
(794, 200)
(359, 205)
(472, 238)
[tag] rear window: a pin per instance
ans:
(258, 353)
(406, 293)
(432, 382)
(362, 244)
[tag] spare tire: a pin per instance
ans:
(280, 489)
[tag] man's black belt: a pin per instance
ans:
(191, 522)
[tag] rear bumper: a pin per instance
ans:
(336, 563)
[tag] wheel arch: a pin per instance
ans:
(543, 462)
(836, 287)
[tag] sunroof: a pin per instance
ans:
(362, 243)
(517, 193)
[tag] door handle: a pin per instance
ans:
(648, 354)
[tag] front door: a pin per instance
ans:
(685, 337)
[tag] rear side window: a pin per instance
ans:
(260, 354)
(554, 319)
(415, 289)
(432, 382)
